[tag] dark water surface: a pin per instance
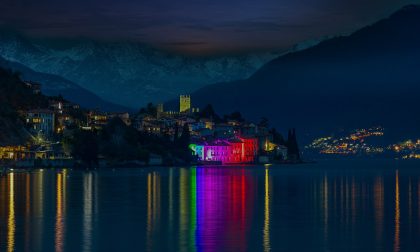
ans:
(329, 206)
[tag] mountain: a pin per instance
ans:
(126, 73)
(370, 77)
(15, 96)
(53, 85)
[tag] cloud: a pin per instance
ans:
(189, 23)
(185, 43)
(250, 26)
(198, 27)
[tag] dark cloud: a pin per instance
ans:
(199, 27)
(206, 24)
(184, 43)
(251, 25)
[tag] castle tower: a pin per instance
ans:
(184, 103)
(159, 108)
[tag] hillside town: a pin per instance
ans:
(363, 142)
(60, 131)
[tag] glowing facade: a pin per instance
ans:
(41, 121)
(184, 103)
(234, 151)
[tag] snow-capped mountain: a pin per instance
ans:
(127, 73)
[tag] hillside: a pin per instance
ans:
(53, 85)
(14, 96)
(367, 78)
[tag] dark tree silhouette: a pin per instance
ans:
(185, 138)
(150, 109)
(237, 116)
(85, 147)
(293, 152)
(183, 142)
(263, 122)
(277, 137)
(208, 112)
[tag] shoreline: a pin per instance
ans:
(136, 164)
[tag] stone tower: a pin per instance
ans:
(184, 103)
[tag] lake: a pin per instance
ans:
(347, 205)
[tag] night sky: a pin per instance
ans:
(195, 26)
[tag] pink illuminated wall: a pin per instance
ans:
(230, 152)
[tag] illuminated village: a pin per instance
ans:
(364, 142)
(58, 135)
(213, 140)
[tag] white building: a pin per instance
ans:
(41, 121)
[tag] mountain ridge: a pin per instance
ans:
(127, 73)
(347, 81)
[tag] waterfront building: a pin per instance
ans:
(12, 152)
(249, 149)
(184, 103)
(227, 151)
(41, 121)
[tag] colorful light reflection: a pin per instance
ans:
(223, 196)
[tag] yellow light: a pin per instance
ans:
(266, 231)
(397, 213)
(11, 225)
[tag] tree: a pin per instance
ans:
(293, 152)
(185, 138)
(119, 141)
(150, 109)
(237, 116)
(16, 94)
(263, 122)
(85, 147)
(183, 142)
(176, 133)
(277, 137)
(208, 112)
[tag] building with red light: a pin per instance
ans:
(250, 149)
(231, 151)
